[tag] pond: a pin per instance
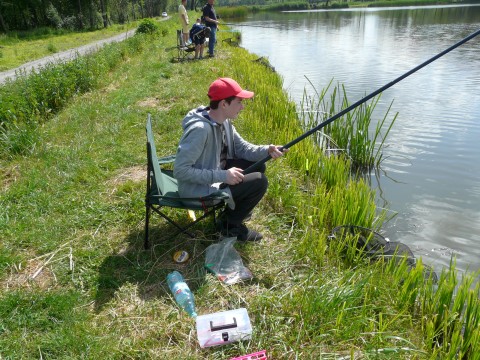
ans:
(430, 178)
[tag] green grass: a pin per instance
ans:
(76, 282)
(19, 48)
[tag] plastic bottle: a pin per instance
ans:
(181, 292)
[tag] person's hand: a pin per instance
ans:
(275, 151)
(234, 176)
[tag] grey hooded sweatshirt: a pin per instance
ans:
(197, 163)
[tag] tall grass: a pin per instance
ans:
(454, 328)
(232, 12)
(351, 134)
(452, 309)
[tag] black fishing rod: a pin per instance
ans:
(253, 167)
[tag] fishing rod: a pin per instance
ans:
(253, 167)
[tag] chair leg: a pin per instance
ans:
(180, 229)
(146, 244)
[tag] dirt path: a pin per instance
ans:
(63, 56)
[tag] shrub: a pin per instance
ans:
(147, 26)
(70, 23)
(51, 48)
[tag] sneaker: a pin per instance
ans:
(242, 233)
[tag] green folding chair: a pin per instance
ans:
(162, 192)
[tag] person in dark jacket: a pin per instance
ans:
(211, 20)
(212, 155)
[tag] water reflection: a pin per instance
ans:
(430, 176)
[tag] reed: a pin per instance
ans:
(351, 134)
(451, 311)
(232, 12)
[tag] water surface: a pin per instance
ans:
(430, 178)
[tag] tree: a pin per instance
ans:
(3, 24)
(103, 8)
(80, 14)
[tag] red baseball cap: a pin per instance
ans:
(223, 88)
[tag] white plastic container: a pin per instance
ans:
(223, 327)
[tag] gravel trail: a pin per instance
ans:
(63, 56)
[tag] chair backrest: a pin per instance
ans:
(180, 41)
(165, 185)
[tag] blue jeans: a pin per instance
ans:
(212, 40)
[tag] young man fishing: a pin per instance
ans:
(212, 155)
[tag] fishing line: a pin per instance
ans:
(253, 167)
(288, 28)
(264, 27)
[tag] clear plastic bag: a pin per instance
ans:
(225, 262)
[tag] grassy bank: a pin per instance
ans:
(76, 282)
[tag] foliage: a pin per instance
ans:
(232, 12)
(53, 16)
(80, 14)
(147, 26)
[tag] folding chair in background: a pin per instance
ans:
(162, 192)
(183, 49)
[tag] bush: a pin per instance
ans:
(147, 26)
(70, 23)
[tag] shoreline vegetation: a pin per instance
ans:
(76, 282)
(18, 47)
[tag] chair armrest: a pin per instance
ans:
(218, 195)
(166, 159)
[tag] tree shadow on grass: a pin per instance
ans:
(148, 269)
